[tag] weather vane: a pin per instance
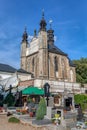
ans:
(50, 22)
(42, 13)
(25, 29)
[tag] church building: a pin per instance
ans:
(43, 59)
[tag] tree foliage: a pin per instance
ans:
(81, 70)
(9, 100)
(82, 100)
(41, 111)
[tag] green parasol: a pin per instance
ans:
(32, 91)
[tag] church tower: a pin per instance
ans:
(24, 45)
(43, 59)
(43, 49)
(50, 36)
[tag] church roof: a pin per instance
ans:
(23, 71)
(54, 49)
(10, 69)
(71, 63)
(7, 68)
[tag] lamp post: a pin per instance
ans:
(47, 92)
(10, 89)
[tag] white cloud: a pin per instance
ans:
(55, 38)
(30, 37)
(65, 22)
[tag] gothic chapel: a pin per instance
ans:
(43, 59)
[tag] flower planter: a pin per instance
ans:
(31, 114)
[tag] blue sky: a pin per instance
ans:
(69, 23)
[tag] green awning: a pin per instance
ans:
(32, 91)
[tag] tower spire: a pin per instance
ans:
(25, 35)
(50, 34)
(35, 33)
(43, 23)
(43, 14)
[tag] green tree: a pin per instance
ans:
(41, 111)
(82, 100)
(81, 70)
(9, 99)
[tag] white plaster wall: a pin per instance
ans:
(12, 80)
(23, 77)
(34, 47)
(4, 75)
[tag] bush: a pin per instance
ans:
(41, 111)
(13, 120)
(9, 100)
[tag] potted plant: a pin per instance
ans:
(56, 120)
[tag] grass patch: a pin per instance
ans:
(13, 120)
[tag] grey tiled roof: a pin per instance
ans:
(23, 71)
(7, 68)
(71, 63)
(10, 69)
(54, 49)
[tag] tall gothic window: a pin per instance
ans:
(63, 75)
(33, 65)
(56, 66)
(56, 63)
(71, 75)
(28, 66)
(48, 66)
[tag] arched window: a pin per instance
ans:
(28, 66)
(48, 65)
(56, 66)
(33, 65)
(56, 63)
(63, 68)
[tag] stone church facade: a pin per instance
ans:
(43, 59)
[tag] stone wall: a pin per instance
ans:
(60, 86)
(26, 83)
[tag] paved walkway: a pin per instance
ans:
(5, 125)
(24, 125)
